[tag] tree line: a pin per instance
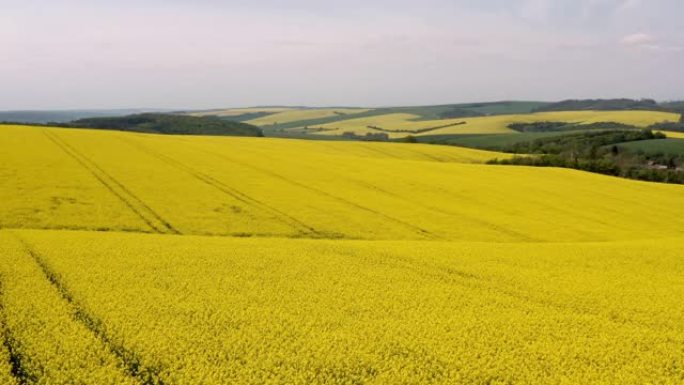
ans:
(600, 152)
(164, 124)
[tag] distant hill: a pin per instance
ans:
(676, 106)
(275, 120)
(169, 124)
(64, 116)
(601, 105)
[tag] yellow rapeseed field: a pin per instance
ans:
(54, 348)
(149, 259)
(211, 310)
(293, 188)
(674, 134)
(402, 124)
(396, 125)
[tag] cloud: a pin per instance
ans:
(536, 10)
(177, 53)
(649, 42)
(626, 5)
(639, 39)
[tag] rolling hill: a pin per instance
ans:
(169, 124)
(137, 258)
(65, 116)
(278, 121)
(304, 115)
(401, 125)
(448, 120)
(673, 146)
(225, 186)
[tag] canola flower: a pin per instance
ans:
(218, 310)
(49, 344)
(147, 259)
(286, 188)
(6, 357)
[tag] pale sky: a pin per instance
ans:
(57, 54)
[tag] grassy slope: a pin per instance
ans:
(238, 111)
(488, 141)
(664, 146)
(489, 108)
(503, 108)
(304, 114)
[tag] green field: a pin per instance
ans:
(657, 146)
(490, 141)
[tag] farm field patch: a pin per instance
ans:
(400, 125)
(304, 114)
(674, 146)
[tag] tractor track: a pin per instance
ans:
(131, 361)
(230, 191)
(16, 359)
(418, 229)
(109, 182)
